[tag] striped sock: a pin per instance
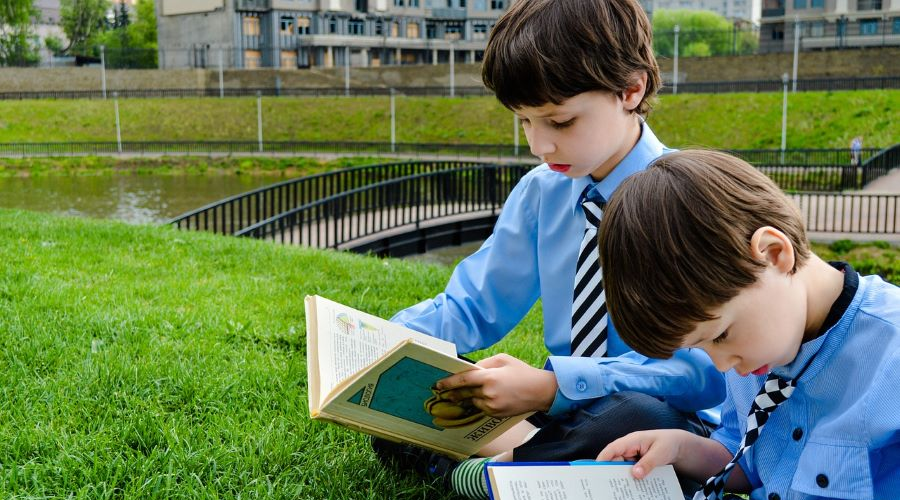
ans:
(467, 479)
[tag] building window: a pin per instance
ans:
(896, 28)
(868, 5)
(332, 25)
(412, 30)
(412, 3)
(817, 4)
(287, 25)
(453, 31)
(395, 29)
(799, 4)
(430, 30)
(252, 59)
(357, 27)
(777, 32)
(479, 31)
(497, 4)
(303, 24)
(379, 27)
(251, 26)
(398, 3)
(362, 5)
(868, 26)
(816, 29)
(462, 4)
(288, 59)
(480, 5)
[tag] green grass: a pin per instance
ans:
(142, 362)
(816, 119)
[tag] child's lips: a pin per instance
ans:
(559, 167)
(762, 370)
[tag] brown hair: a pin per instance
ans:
(546, 51)
(675, 244)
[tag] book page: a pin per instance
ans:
(395, 397)
(350, 340)
(591, 481)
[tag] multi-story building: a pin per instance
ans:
(736, 10)
(826, 24)
(322, 33)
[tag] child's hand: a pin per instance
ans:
(649, 448)
(506, 387)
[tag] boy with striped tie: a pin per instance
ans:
(580, 75)
(811, 350)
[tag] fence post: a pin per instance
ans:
(221, 73)
(675, 65)
(797, 27)
(784, 83)
(118, 123)
(259, 123)
(103, 69)
(393, 123)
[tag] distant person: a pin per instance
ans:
(811, 349)
(855, 151)
(580, 74)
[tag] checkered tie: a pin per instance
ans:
(774, 391)
(589, 304)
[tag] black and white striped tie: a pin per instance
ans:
(774, 391)
(589, 303)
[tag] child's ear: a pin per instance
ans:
(773, 247)
(634, 93)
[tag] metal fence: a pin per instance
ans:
(718, 87)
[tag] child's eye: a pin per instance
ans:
(721, 338)
(524, 121)
(559, 125)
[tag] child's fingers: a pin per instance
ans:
(625, 448)
(471, 378)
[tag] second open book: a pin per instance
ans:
(378, 377)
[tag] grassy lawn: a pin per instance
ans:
(144, 362)
(816, 119)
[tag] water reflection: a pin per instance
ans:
(138, 199)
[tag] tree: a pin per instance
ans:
(82, 21)
(133, 43)
(17, 42)
(701, 33)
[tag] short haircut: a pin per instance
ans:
(675, 244)
(546, 51)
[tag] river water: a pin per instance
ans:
(138, 199)
(148, 199)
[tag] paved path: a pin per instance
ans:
(887, 184)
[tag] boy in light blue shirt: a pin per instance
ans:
(580, 75)
(811, 349)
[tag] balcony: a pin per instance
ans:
(773, 12)
(253, 5)
(448, 13)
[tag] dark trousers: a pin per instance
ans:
(583, 433)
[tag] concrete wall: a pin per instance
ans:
(847, 63)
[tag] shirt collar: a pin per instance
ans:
(647, 149)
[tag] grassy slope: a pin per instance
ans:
(817, 119)
(145, 362)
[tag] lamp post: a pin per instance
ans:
(675, 66)
(797, 27)
(784, 102)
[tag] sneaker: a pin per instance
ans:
(405, 457)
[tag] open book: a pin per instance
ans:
(581, 480)
(378, 377)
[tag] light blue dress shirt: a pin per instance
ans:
(838, 436)
(532, 255)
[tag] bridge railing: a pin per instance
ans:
(406, 202)
(237, 212)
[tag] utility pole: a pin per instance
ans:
(516, 135)
(452, 70)
(784, 102)
(103, 69)
(393, 123)
(221, 73)
(797, 27)
(118, 123)
(347, 71)
(259, 123)
(675, 66)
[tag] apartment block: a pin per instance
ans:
(829, 24)
(292, 34)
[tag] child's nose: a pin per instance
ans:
(540, 144)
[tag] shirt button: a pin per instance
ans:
(798, 434)
(774, 496)
(822, 480)
(581, 386)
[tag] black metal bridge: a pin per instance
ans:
(404, 208)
